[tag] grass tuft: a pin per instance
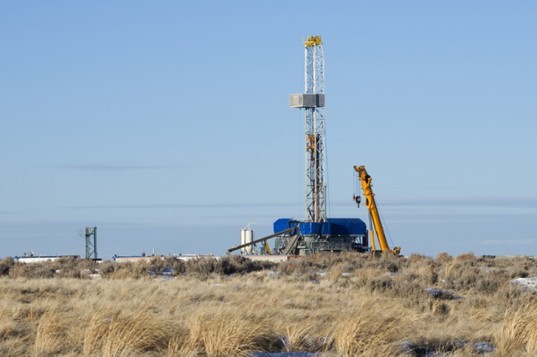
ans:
(518, 332)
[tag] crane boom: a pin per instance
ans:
(365, 181)
(264, 239)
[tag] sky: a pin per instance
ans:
(167, 124)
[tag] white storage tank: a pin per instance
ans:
(243, 235)
(247, 236)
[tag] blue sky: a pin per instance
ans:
(166, 124)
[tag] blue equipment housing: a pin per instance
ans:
(335, 234)
(332, 227)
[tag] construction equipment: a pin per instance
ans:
(267, 248)
(375, 223)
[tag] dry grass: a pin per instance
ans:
(368, 329)
(338, 305)
(518, 333)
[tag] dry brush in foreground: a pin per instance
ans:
(337, 305)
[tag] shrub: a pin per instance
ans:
(35, 270)
(443, 258)
(228, 265)
(5, 265)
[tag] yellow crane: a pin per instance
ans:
(375, 223)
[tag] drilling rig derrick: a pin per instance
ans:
(317, 232)
(312, 101)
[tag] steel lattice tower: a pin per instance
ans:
(91, 246)
(312, 101)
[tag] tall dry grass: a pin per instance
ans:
(518, 333)
(369, 329)
(335, 305)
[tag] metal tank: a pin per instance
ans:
(247, 236)
(243, 235)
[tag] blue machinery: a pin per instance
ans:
(303, 238)
(332, 235)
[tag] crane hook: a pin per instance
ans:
(357, 199)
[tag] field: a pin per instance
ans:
(335, 305)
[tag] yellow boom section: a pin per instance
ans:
(365, 181)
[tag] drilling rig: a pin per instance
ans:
(316, 232)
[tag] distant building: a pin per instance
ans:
(136, 258)
(148, 258)
(31, 258)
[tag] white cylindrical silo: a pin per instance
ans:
(243, 237)
(248, 238)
